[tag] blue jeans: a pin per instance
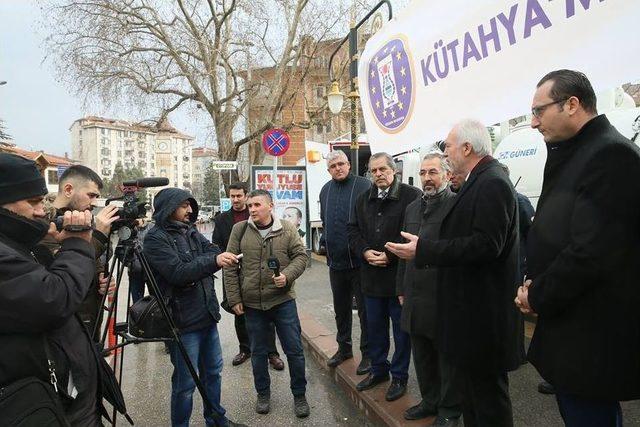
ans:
(379, 311)
(205, 353)
(581, 412)
(285, 319)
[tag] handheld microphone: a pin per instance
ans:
(274, 265)
(147, 182)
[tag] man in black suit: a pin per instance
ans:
(583, 252)
(478, 330)
(223, 224)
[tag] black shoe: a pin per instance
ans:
(263, 403)
(371, 381)
(228, 423)
(418, 412)
(396, 390)
(240, 358)
(338, 358)
(546, 388)
(364, 366)
(446, 422)
(300, 406)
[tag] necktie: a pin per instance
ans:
(383, 194)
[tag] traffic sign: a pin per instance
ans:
(223, 165)
(276, 142)
(225, 204)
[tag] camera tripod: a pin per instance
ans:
(127, 248)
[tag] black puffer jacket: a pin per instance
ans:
(183, 262)
(39, 295)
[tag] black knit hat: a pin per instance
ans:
(19, 179)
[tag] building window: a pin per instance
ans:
(327, 127)
(52, 177)
(319, 128)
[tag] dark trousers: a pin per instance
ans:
(345, 284)
(379, 311)
(485, 399)
(136, 286)
(438, 380)
(580, 412)
(285, 317)
(243, 336)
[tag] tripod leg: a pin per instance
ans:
(103, 300)
(174, 330)
(113, 306)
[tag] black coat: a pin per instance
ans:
(39, 295)
(183, 262)
(223, 224)
(478, 324)
(423, 217)
(583, 257)
(377, 222)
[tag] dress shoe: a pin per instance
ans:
(396, 390)
(420, 411)
(228, 423)
(546, 388)
(446, 422)
(275, 362)
(300, 406)
(240, 358)
(364, 366)
(338, 358)
(371, 381)
(263, 403)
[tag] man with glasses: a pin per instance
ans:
(583, 250)
(337, 208)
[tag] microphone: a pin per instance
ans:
(147, 182)
(274, 265)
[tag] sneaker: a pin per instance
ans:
(263, 403)
(300, 406)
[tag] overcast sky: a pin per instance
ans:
(36, 109)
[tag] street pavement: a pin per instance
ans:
(147, 377)
(146, 385)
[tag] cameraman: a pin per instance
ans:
(183, 262)
(78, 189)
(40, 293)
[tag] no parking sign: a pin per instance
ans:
(276, 142)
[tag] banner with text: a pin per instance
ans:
(444, 60)
(290, 195)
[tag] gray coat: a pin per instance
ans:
(419, 285)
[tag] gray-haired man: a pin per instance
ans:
(337, 201)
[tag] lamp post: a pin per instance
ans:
(335, 98)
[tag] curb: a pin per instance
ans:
(321, 344)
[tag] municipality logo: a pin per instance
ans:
(391, 87)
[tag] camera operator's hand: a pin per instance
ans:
(105, 218)
(104, 285)
(75, 218)
(226, 259)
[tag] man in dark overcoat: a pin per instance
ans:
(378, 219)
(583, 252)
(416, 289)
(478, 330)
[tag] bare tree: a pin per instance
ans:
(3, 131)
(162, 55)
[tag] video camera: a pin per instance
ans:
(133, 209)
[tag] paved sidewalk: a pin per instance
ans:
(530, 408)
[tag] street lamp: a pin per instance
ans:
(335, 98)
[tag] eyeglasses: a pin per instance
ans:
(537, 111)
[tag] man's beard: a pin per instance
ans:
(432, 191)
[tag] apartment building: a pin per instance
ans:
(100, 143)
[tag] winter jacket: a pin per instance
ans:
(583, 252)
(183, 262)
(419, 285)
(479, 328)
(337, 208)
(378, 221)
(90, 311)
(251, 283)
(223, 224)
(39, 295)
